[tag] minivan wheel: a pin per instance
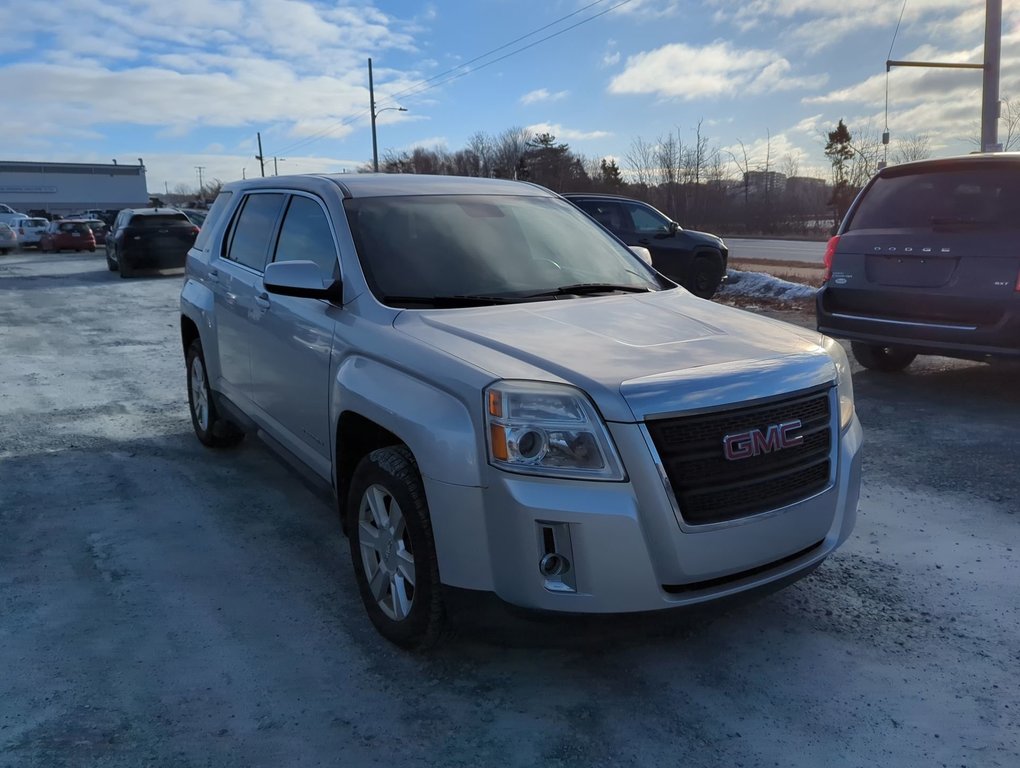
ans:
(706, 274)
(392, 549)
(875, 357)
(210, 428)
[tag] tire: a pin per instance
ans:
(875, 357)
(92, 250)
(125, 270)
(110, 263)
(391, 544)
(210, 428)
(706, 274)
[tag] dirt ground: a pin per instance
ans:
(164, 605)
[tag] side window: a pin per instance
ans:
(647, 220)
(305, 235)
(249, 241)
(606, 213)
(219, 208)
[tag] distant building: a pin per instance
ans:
(764, 182)
(807, 186)
(63, 188)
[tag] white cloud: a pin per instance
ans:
(650, 9)
(611, 59)
(685, 72)
(566, 134)
(542, 95)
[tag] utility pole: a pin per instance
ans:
(371, 104)
(166, 188)
(990, 77)
(262, 160)
(242, 173)
(276, 168)
(200, 168)
(990, 89)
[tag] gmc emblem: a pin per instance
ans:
(754, 442)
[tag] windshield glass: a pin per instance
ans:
(984, 196)
(486, 246)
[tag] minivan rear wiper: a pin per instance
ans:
(579, 289)
(957, 222)
(449, 301)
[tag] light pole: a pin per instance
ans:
(375, 114)
(276, 162)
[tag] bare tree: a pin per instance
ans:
(508, 149)
(641, 159)
(916, 146)
(1010, 123)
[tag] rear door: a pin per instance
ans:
(235, 277)
(938, 244)
(291, 353)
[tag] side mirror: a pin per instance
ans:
(642, 253)
(302, 279)
(673, 228)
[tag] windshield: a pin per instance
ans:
(967, 197)
(496, 247)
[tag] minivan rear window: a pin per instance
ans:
(964, 198)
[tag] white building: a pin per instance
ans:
(71, 187)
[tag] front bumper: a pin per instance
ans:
(627, 549)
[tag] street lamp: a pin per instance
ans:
(375, 114)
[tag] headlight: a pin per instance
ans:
(548, 429)
(844, 382)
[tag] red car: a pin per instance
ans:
(68, 235)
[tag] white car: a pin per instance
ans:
(8, 215)
(8, 240)
(29, 231)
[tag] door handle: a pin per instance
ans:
(262, 300)
(214, 275)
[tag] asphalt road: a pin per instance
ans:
(809, 252)
(164, 605)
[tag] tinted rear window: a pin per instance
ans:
(157, 221)
(964, 198)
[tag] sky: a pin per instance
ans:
(190, 83)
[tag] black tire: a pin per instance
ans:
(92, 250)
(393, 473)
(875, 357)
(706, 275)
(125, 270)
(211, 429)
(110, 263)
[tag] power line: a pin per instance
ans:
(435, 81)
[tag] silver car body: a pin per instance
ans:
(294, 366)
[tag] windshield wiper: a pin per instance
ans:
(449, 301)
(580, 289)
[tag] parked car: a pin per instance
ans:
(504, 398)
(8, 215)
(926, 262)
(147, 238)
(8, 240)
(67, 235)
(696, 260)
(99, 230)
(197, 216)
(29, 231)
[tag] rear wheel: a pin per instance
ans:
(706, 274)
(392, 549)
(875, 357)
(210, 428)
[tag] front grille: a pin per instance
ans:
(711, 488)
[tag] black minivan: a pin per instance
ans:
(927, 261)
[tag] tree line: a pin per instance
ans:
(692, 181)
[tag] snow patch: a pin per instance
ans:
(761, 285)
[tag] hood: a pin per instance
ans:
(635, 355)
(704, 238)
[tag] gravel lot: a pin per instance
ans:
(164, 605)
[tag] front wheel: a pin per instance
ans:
(392, 549)
(875, 357)
(706, 274)
(210, 428)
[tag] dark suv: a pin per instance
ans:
(143, 238)
(927, 261)
(696, 260)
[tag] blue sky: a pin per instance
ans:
(189, 82)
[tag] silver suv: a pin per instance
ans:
(503, 398)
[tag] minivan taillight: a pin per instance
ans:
(830, 252)
(1017, 287)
